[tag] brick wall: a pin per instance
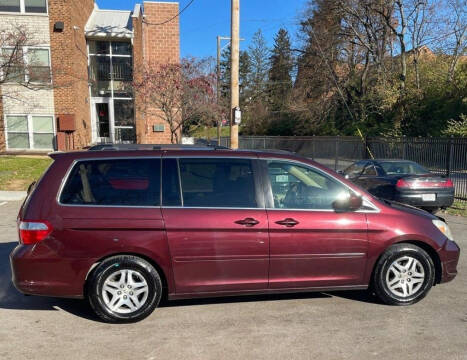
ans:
(161, 45)
(69, 64)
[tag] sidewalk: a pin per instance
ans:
(12, 195)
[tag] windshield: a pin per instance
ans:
(403, 167)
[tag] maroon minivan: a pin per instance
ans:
(124, 228)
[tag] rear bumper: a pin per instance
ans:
(415, 198)
(47, 274)
(449, 256)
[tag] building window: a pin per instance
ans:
(24, 6)
(10, 5)
(12, 64)
(25, 132)
(38, 65)
(35, 6)
(27, 64)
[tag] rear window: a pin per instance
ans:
(217, 183)
(403, 167)
(119, 182)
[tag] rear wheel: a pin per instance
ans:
(404, 275)
(124, 289)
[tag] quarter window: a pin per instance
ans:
(218, 183)
(132, 182)
(298, 187)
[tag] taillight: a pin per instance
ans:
(447, 183)
(416, 184)
(401, 183)
(32, 232)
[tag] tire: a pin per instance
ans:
(403, 275)
(124, 289)
(432, 210)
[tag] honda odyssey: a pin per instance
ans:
(123, 228)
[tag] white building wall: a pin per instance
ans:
(19, 99)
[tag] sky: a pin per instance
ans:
(205, 19)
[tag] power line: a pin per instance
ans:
(172, 18)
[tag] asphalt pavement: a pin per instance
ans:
(338, 325)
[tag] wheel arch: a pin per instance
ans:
(423, 245)
(159, 269)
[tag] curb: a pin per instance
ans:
(12, 195)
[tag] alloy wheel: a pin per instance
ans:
(405, 276)
(125, 291)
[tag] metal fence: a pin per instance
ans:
(446, 156)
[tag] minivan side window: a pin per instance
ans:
(170, 183)
(119, 182)
(216, 182)
(299, 187)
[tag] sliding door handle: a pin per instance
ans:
(247, 222)
(289, 222)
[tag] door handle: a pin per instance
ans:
(247, 222)
(289, 222)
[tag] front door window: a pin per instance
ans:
(298, 187)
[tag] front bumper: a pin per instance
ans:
(443, 199)
(449, 256)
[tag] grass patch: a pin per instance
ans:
(459, 208)
(17, 172)
(210, 133)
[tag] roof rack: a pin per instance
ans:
(135, 147)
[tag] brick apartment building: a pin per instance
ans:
(90, 56)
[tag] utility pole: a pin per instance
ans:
(219, 50)
(234, 78)
(219, 120)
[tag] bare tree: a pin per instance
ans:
(419, 26)
(459, 29)
(15, 67)
(178, 94)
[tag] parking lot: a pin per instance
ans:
(347, 325)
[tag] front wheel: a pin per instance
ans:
(124, 289)
(404, 275)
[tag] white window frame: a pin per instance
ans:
(26, 64)
(22, 10)
(30, 131)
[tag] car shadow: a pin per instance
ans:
(10, 298)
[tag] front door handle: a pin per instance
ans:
(289, 222)
(247, 222)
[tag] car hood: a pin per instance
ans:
(409, 209)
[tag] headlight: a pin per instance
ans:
(444, 228)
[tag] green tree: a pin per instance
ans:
(258, 52)
(280, 73)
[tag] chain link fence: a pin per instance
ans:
(444, 156)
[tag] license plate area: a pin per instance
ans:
(429, 197)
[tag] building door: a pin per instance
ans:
(103, 123)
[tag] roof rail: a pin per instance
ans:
(135, 147)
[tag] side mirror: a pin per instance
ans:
(350, 203)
